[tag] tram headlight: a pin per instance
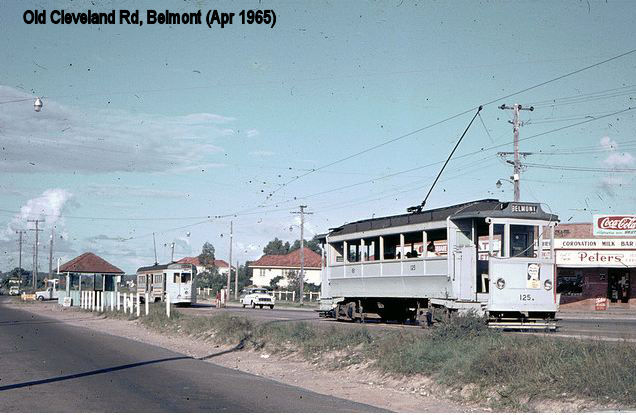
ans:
(547, 285)
(501, 283)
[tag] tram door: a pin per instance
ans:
(464, 258)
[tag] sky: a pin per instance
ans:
(179, 129)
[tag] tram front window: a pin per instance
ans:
(521, 241)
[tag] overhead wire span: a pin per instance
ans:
(411, 133)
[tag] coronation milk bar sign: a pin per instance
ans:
(615, 225)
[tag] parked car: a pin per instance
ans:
(50, 293)
(258, 297)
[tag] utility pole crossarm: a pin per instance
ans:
(516, 123)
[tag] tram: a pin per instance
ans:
(178, 280)
(494, 258)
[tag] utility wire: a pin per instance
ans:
(451, 118)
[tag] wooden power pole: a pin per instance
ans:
(302, 251)
(37, 230)
(516, 123)
(229, 271)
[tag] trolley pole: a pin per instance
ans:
(37, 230)
(302, 250)
(229, 271)
(516, 123)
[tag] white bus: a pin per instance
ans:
(178, 280)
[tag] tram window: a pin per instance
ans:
(185, 277)
(498, 248)
(355, 251)
(372, 249)
(338, 251)
(391, 246)
(522, 241)
(413, 242)
(177, 278)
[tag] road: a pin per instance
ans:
(48, 366)
(605, 327)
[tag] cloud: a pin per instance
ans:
(608, 144)
(615, 159)
(262, 153)
(47, 207)
(252, 133)
(63, 138)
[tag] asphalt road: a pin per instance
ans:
(48, 366)
(604, 327)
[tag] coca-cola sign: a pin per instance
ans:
(614, 224)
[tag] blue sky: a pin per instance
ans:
(148, 129)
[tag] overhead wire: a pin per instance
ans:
(411, 133)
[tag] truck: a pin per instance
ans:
(50, 293)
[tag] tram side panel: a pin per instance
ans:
(415, 279)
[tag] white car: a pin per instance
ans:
(258, 297)
(14, 290)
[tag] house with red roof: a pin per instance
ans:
(268, 267)
(222, 266)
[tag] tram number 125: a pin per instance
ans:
(525, 297)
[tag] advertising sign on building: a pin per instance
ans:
(594, 258)
(614, 225)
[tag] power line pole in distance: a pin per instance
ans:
(302, 250)
(229, 271)
(516, 123)
(37, 230)
(51, 257)
(20, 233)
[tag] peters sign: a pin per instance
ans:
(615, 225)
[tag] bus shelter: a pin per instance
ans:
(89, 272)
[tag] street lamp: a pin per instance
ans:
(499, 184)
(37, 105)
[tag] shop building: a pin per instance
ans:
(595, 264)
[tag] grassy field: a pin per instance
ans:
(514, 370)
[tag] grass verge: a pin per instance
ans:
(513, 372)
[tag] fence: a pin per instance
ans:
(129, 303)
(279, 295)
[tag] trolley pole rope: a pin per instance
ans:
(421, 206)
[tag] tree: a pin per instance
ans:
(274, 283)
(313, 244)
(244, 276)
(212, 280)
(206, 257)
(276, 247)
(293, 281)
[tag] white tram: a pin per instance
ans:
(495, 258)
(178, 280)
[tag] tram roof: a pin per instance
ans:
(159, 267)
(475, 209)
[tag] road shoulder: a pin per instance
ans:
(356, 383)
